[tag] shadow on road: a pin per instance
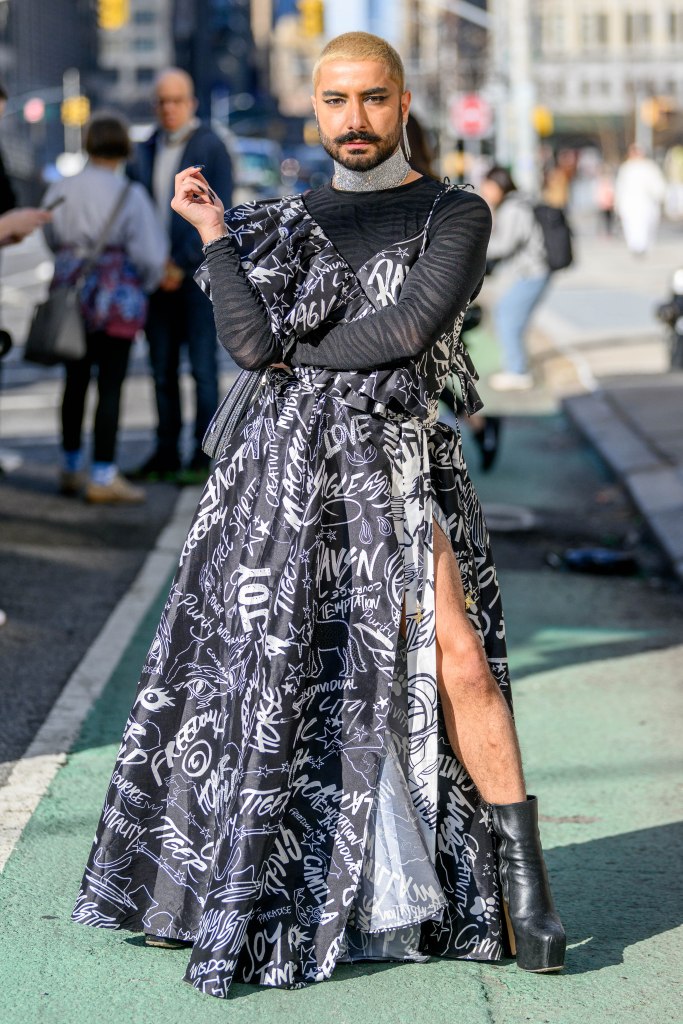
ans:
(617, 891)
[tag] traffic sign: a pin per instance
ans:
(471, 116)
(75, 111)
(34, 110)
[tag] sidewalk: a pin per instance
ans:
(597, 342)
(637, 427)
(596, 670)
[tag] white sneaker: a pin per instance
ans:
(505, 381)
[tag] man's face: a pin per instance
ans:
(360, 112)
(174, 103)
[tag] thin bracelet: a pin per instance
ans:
(213, 241)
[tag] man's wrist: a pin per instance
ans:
(209, 235)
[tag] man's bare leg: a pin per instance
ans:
(478, 721)
(483, 735)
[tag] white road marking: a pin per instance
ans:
(32, 775)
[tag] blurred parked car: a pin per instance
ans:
(306, 167)
(257, 170)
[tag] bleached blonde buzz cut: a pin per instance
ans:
(362, 46)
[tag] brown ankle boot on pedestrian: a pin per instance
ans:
(118, 492)
(537, 937)
(72, 482)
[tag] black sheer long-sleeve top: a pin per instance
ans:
(434, 293)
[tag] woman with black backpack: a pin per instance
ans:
(518, 243)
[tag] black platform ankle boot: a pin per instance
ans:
(536, 934)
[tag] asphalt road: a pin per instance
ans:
(596, 682)
(596, 674)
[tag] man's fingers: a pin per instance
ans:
(191, 191)
(192, 172)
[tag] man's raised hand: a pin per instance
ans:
(195, 200)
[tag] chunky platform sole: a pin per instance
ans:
(535, 956)
(159, 942)
(537, 938)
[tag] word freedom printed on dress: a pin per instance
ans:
(285, 796)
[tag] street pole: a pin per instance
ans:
(71, 86)
(522, 94)
(499, 80)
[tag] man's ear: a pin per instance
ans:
(405, 104)
(315, 107)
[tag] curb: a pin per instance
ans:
(654, 485)
(32, 775)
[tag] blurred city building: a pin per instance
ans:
(610, 69)
(39, 41)
(490, 78)
(133, 52)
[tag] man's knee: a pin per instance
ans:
(464, 667)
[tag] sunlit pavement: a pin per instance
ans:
(597, 670)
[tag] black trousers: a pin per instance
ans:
(184, 317)
(110, 357)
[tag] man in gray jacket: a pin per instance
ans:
(517, 242)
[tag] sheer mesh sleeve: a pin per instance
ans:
(243, 325)
(437, 289)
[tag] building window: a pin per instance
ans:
(676, 26)
(143, 44)
(145, 75)
(594, 30)
(553, 89)
(638, 29)
(552, 33)
(145, 17)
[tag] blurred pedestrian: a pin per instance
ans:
(113, 299)
(604, 197)
(17, 224)
(518, 245)
(8, 200)
(673, 171)
(179, 313)
(485, 430)
(14, 227)
(640, 191)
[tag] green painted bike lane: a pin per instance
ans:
(597, 668)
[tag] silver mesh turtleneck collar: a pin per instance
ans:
(390, 173)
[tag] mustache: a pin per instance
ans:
(357, 137)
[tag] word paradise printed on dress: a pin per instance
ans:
(285, 797)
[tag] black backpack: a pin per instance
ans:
(557, 236)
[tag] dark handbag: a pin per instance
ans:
(57, 332)
(231, 412)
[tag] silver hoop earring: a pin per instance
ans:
(406, 144)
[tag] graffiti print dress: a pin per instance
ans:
(285, 797)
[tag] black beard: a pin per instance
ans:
(385, 147)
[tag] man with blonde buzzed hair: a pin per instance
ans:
(178, 314)
(323, 733)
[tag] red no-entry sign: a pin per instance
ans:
(471, 116)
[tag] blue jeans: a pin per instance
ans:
(511, 318)
(177, 318)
